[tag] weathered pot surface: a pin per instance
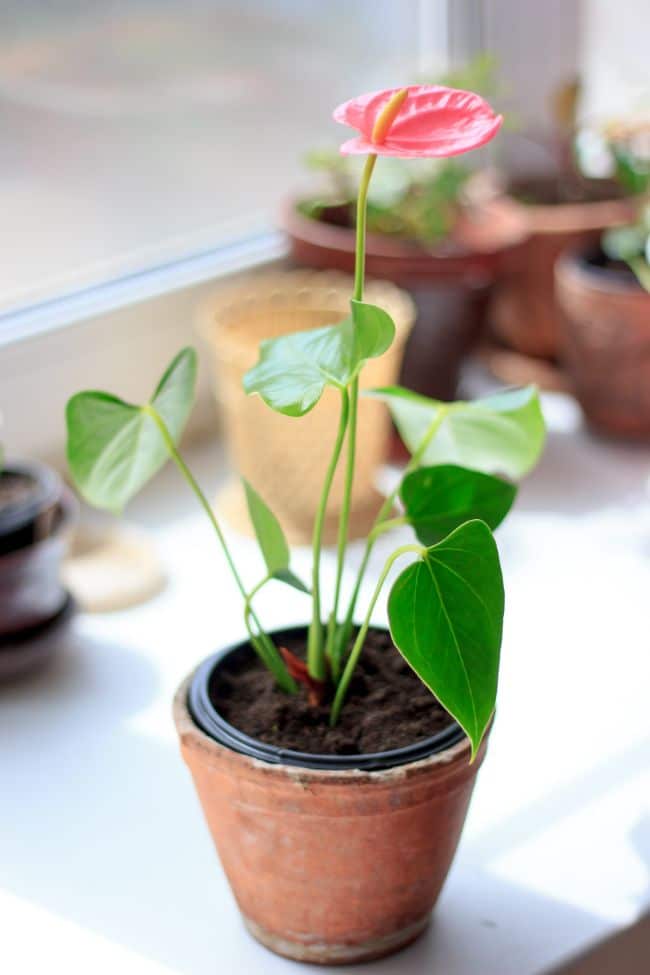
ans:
(334, 864)
(524, 313)
(606, 342)
(483, 234)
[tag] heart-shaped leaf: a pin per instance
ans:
(293, 370)
(271, 538)
(439, 499)
(114, 447)
(504, 433)
(446, 616)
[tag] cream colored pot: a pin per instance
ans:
(285, 457)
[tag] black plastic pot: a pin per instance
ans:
(210, 721)
(34, 532)
(29, 517)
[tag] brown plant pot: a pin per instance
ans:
(332, 863)
(449, 285)
(606, 343)
(524, 314)
(34, 536)
(286, 457)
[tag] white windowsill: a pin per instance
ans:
(555, 856)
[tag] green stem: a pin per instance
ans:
(381, 524)
(351, 450)
(254, 591)
(316, 662)
(360, 243)
(355, 653)
(274, 661)
(342, 538)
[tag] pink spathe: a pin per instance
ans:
(433, 122)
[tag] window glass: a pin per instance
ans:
(138, 132)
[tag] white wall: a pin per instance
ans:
(615, 57)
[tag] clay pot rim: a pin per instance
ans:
(259, 290)
(573, 265)
(342, 239)
(445, 748)
(571, 218)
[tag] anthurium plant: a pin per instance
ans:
(446, 606)
(622, 150)
(412, 201)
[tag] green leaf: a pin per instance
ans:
(446, 617)
(632, 172)
(503, 433)
(114, 447)
(293, 370)
(271, 538)
(439, 499)
(291, 579)
(267, 530)
(624, 243)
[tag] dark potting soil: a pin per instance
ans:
(387, 706)
(562, 190)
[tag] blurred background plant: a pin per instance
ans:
(621, 150)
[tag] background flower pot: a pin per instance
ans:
(29, 495)
(35, 521)
(283, 457)
(449, 285)
(396, 829)
(524, 314)
(606, 344)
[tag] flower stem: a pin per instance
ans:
(355, 653)
(383, 523)
(344, 518)
(360, 243)
(261, 642)
(316, 662)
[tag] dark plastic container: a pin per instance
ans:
(210, 721)
(30, 515)
(34, 532)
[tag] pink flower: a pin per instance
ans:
(427, 120)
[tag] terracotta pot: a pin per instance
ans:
(285, 457)
(524, 314)
(330, 863)
(449, 285)
(606, 343)
(34, 537)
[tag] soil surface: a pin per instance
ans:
(559, 191)
(387, 705)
